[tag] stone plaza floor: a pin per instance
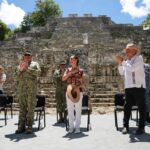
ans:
(102, 136)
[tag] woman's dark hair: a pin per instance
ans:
(75, 57)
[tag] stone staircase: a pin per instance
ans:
(100, 95)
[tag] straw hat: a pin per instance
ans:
(73, 93)
(131, 46)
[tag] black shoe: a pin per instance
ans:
(60, 121)
(148, 119)
(125, 130)
(29, 130)
(140, 131)
(20, 130)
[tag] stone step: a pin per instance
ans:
(103, 89)
(103, 92)
(101, 100)
(53, 105)
(102, 104)
(101, 95)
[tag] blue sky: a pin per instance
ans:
(120, 11)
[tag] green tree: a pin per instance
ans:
(147, 21)
(17, 30)
(3, 30)
(44, 10)
(26, 24)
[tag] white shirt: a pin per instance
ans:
(3, 79)
(133, 71)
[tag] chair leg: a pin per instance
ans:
(39, 120)
(5, 115)
(56, 115)
(67, 124)
(116, 119)
(44, 118)
(65, 115)
(88, 121)
(137, 117)
(36, 118)
(66, 120)
(11, 111)
(131, 116)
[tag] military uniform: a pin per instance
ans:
(60, 93)
(27, 90)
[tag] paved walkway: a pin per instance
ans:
(103, 136)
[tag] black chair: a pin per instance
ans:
(85, 110)
(40, 110)
(10, 104)
(119, 100)
(3, 106)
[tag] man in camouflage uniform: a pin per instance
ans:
(60, 90)
(27, 73)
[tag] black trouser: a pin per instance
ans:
(134, 96)
(1, 92)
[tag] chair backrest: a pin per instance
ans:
(119, 99)
(9, 99)
(40, 100)
(85, 101)
(3, 100)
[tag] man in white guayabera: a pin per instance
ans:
(132, 68)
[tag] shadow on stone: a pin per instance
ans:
(17, 137)
(72, 136)
(59, 124)
(139, 138)
(22, 136)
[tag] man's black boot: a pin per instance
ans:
(125, 130)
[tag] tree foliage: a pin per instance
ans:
(147, 21)
(3, 30)
(26, 24)
(44, 9)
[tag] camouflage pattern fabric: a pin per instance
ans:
(60, 94)
(27, 90)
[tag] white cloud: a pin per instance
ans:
(11, 14)
(136, 8)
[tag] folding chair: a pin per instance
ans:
(119, 106)
(85, 110)
(3, 106)
(10, 104)
(40, 110)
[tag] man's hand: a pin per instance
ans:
(119, 59)
(23, 66)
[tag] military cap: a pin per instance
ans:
(28, 53)
(63, 62)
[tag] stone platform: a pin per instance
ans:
(102, 136)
